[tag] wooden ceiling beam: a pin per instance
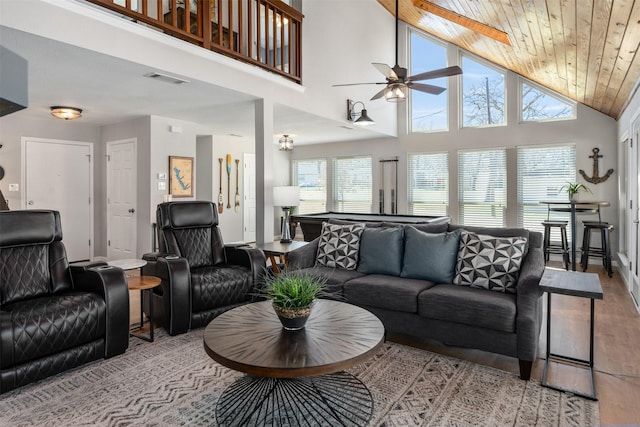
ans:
(469, 23)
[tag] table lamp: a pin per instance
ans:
(286, 197)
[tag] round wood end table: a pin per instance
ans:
(294, 377)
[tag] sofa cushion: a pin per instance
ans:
(335, 278)
(388, 292)
(489, 262)
(381, 251)
(430, 256)
(339, 246)
(469, 306)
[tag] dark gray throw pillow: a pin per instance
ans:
(430, 256)
(381, 251)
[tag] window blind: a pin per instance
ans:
(482, 187)
(352, 184)
(311, 177)
(542, 172)
(428, 184)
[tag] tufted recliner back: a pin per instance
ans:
(33, 261)
(190, 230)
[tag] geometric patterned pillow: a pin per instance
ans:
(489, 262)
(339, 246)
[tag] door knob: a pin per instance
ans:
(132, 210)
(30, 202)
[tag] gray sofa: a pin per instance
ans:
(412, 306)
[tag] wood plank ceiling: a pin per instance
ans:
(583, 49)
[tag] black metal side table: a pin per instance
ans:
(577, 284)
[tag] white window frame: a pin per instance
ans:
(548, 92)
(295, 162)
(336, 184)
(410, 201)
(502, 205)
(445, 45)
(484, 62)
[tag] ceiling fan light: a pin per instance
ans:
(396, 92)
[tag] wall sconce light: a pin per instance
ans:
(66, 113)
(396, 92)
(361, 118)
(285, 143)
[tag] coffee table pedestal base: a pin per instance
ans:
(338, 399)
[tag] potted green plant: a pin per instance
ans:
(573, 188)
(292, 294)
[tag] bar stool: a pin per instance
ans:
(603, 251)
(552, 248)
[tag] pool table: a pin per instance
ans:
(311, 224)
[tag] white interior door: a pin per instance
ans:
(58, 175)
(121, 199)
(634, 217)
(249, 210)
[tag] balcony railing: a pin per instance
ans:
(266, 33)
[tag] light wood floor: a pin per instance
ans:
(617, 348)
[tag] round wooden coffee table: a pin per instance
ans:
(295, 377)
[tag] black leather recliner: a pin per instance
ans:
(201, 276)
(53, 317)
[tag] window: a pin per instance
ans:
(483, 95)
(428, 184)
(311, 177)
(482, 187)
(352, 185)
(539, 104)
(428, 112)
(542, 172)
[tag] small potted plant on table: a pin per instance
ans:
(292, 294)
(573, 188)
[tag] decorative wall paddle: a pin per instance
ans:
(237, 192)
(228, 181)
(220, 202)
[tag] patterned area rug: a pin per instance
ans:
(172, 382)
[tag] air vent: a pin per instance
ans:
(166, 78)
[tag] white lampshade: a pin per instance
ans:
(286, 196)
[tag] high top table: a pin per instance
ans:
(574, 207)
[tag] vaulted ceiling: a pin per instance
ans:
(583, 49)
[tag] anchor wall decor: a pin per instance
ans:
(596, 178)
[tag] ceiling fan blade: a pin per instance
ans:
(433, 90)
(357, 84)
(434, 74)
(378, 95)
(386, 70)
(469, 23)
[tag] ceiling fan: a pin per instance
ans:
(398, 82)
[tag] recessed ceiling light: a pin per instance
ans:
(345, 127)
(234, 134)
(166, 78)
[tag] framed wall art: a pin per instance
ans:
(181, 176)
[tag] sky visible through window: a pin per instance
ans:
(428, 112)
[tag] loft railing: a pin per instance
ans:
(266, 33)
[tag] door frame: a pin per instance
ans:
(23, 178)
